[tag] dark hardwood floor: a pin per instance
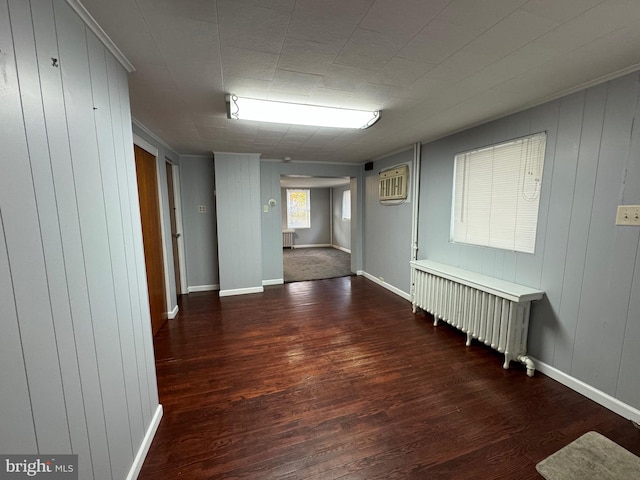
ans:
(338, 379)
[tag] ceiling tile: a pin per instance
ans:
(560, 11)
(330, 22)
(479, 14)
(401, 19)
(306, 56)
(251, 27)
(511, 33)
(295, 83)
(321, 30)
(281, 6)
(437, 41)
(287, 97)
(185, 38)
(237, 62)
(351, 12)
(330, 97)
(401, 72)
(204, 10)
(342, 77)
(368, 49)
(459, 65)
(374, 96)
(246, 87)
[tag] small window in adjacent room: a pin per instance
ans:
(346, 205)
(496, 194)
(298, 208)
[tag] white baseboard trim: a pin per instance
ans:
(319, 245)
(341, 248)
(240, 291)
(274, 281)
(202, 288)
(146, 444)
(386, 285)
(598, 396)
(173, 313)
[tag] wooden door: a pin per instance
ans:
(174, 229)
(151, 235)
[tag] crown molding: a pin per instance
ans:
(153, 136)
(90, 22)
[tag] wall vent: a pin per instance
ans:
(393, 183)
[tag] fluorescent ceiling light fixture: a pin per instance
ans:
(240, 108)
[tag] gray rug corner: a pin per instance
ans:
(591, 456)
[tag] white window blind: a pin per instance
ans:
(497, 193)
(346, 205)
(298, 208)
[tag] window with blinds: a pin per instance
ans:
(496, 194)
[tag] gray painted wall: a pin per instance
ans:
(270, 172)
(200, 231)
(237, 180)
(341, 228)
(76, 351)
(387, 228)
(320, 211)
(587, 326)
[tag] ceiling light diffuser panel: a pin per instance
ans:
(240, 108)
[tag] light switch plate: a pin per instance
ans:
(628, 215)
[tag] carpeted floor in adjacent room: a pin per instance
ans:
(302, 264)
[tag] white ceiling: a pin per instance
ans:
(432, 67)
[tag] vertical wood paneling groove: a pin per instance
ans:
(575, 256)
(626, 386)
(607, 280)
(24, 243)
(128, 346)
(111, 200)
(17, 411)
(559, 217)
(35, 69)
(72, 48)
(238, 216)
(101, 274)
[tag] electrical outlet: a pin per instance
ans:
(628, 215)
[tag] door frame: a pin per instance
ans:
(170, 310)
(181, 289)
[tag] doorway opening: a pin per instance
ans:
(316, 227)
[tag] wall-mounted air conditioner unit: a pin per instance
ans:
(394, 183)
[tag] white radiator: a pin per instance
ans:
(287, 238)
(493, 311)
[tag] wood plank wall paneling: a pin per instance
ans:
(200, 231)
(76, 345)
(238, 213)
(24, 243)
(587, 325)
(388, 228)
